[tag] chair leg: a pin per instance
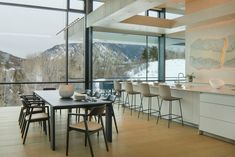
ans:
(182, 121)
(158, 106)
(89, 142)
(170, 113)
(124, 105)
(22, 120)
(67, 142)
(98, 133)
(119, 98)
(131, 107)
(45, 127)
(78, 117)
(49, 129)
(26, 132)
(159, 111)
(141, 105)
(122, 97)
(149, 110)
(114, 119)
(23, 128)
(105, 139)
(86, 139)
(20, 116)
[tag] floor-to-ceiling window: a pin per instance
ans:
(33, 46)
(76, 51)
(97, 4)
(124, 56)
(119, 56)
(152, 64)
(175, 58)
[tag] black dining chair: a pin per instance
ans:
(23, 109)
(87, 126)
(31, 116)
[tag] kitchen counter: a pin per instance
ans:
(206, 89)
(203, 88)
(212, 110)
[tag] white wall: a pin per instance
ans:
(210, 51)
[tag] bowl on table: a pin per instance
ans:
(66, 90)
(79, 96)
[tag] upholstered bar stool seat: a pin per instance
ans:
(132, 93)
(165, 94)
(145, 92)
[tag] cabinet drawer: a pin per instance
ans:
(218, 99)
(220, 128)
(219, 112)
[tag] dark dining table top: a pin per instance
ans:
(53, 98)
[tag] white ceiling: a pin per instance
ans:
(122, 16)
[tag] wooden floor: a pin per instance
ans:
(137, 138)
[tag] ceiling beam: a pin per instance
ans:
(114, 11)
(121, 16)
(149, 21)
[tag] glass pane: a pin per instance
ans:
(175, 58)
(77, 4)
(153, 13)
(118, 56)
(172, 15)
(153, 58)
(9, 93)
(45, 3)
(73, 17)
(76, 50)
(97, 5)
(30, 48)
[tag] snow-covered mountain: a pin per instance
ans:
(173, 67)
(128, 52)
(107, 57)
(9, 60)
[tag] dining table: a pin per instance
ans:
(55, 101)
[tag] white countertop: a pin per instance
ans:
(199, 88)
(205, 89)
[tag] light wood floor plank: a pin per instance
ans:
(137, 138)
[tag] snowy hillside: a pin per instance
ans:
(173, 67)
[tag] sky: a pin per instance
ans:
(25, 31)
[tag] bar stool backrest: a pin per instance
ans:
(117, 85)
(164, 91)
(144, 89)
(129, 87)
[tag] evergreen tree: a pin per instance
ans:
(153, 53)
(144, 55)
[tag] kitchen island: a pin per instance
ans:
(211, 110)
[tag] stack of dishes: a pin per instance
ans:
(79, 96)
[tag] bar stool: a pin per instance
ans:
(165, 94)
(130, 91)
(119, 92)
(145, 92)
